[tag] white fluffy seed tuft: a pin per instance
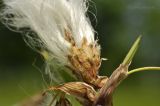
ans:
(49, 19)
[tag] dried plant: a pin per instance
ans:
(61, 32)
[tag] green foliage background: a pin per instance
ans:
(118, 24)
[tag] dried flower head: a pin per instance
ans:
(62, 28)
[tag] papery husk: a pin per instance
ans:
(83, 92)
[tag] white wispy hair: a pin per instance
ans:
(48, 19)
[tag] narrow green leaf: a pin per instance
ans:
(132, 51)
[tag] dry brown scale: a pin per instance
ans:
(85, 61)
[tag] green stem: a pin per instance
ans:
(143, 69)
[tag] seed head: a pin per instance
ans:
(60, 27)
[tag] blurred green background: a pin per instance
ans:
(118, 24)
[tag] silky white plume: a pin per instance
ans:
(49, 19)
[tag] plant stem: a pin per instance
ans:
(104, 97)
(143, 69)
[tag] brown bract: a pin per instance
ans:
(82, 91)
(85, 61)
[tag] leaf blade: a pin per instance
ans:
(132, 51)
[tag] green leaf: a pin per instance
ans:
(132, 51)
